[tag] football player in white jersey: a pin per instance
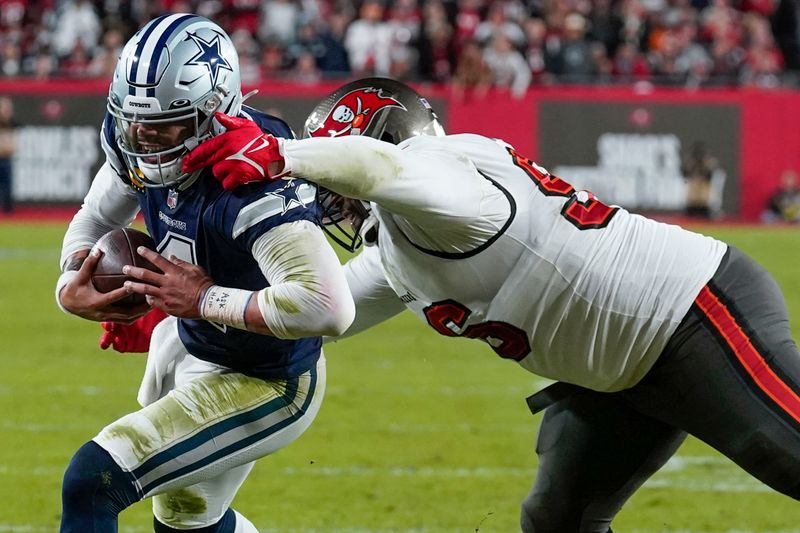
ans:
(651, 331)
(236, 373)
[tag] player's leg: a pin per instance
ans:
(94, 491)
(731, 375)
(215, 422)
(95, 488)
(204, 506)
(206, 426)
(594, 452)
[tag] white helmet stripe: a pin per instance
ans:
(134, 62)
(146, 50)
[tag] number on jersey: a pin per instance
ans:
(582, 209)
(448, 318)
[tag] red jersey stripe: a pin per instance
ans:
(747, 354)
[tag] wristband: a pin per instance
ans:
(63, 279)
(225, 305)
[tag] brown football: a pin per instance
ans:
(119, 249)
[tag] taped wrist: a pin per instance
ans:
(225, 305)
(63, 279)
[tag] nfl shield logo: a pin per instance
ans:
(172, 199)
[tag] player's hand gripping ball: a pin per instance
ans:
(119, 249)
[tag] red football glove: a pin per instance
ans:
(131, 338)
(243, 153)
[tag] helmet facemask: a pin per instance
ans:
(348, 222)
(154, 143)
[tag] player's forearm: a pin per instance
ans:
(307, 296)
(353, 166)
(107, 205)
(69, 269)
(83, 232)
(308, 293)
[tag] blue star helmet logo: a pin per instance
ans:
(209, 56)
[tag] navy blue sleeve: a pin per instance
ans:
(247, 213)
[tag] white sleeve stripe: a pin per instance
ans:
(271, 205)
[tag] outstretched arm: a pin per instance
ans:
(419, 185)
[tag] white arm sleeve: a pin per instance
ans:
(418, 184)
(374, 298)
(109, 204)
(308, 292)
(427, 184)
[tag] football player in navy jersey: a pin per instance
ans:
(236, 371)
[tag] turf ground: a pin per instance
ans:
(418, 432)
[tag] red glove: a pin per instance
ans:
(243, 153)
(131, 338)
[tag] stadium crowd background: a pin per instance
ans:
(470, 44)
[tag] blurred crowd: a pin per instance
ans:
(471, 44)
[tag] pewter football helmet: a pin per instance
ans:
(381, 108)
(178, 69)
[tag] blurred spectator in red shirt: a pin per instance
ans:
(629, 64)
(719, 19)
(727, 56)
(273, 61)
(76, 64)
(468, 18)
(243, 14)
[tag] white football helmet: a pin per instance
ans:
(178, 69)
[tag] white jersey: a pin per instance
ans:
(481, 242)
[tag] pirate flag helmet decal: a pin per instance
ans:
(380, 108)
(354, 112)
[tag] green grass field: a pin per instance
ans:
(418, 432)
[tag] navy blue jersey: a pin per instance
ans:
(208, 226)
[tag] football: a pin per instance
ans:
(119, 249)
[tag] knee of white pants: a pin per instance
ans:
(201, 504)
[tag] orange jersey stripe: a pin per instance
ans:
(747, 354)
